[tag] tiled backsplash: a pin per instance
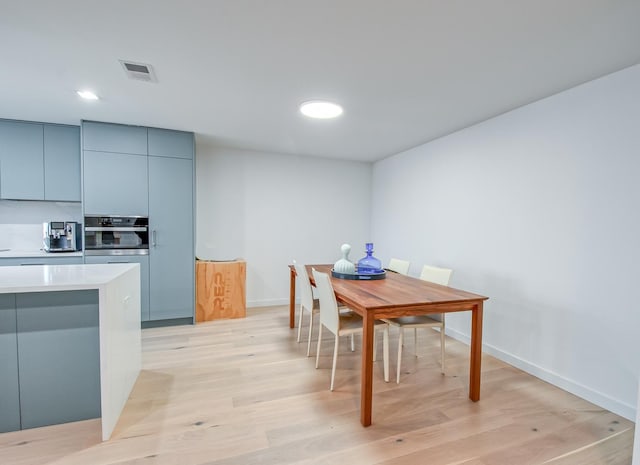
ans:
(21, 221)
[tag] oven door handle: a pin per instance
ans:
(119, 229)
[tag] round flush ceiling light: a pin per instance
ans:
(320, 109)
(87, 95)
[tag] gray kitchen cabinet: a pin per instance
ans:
(9, 391)
(129, 170)
(170, 143)
(58, 357)
(21, 160)
(118, 138)
(46, 260)
(171, 252)
(115, 184)
(61, 163)
(143, 260)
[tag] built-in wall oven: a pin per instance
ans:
(116, 235)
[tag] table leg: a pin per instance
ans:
(366, 388)
(476, 352)
(292, 299)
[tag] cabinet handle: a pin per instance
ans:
(153, 238)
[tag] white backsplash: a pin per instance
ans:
(21, 221)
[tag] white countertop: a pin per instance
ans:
(36, 253)
(42, 278)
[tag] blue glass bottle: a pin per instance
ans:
(369, 264)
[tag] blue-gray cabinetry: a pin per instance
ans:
(169, 143)
(50, 352)
(62, 163)
(171, 255)
(143, 260)
(21, 160)
(131, 170)
(39, 161)
(115, 184)
(116, 138)
(58, 357)
(9, 390)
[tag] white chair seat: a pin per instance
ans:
(307, 302)
(343, 323)
(435, 275)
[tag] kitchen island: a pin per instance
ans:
(69, 343)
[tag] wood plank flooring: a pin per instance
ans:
(243, 392)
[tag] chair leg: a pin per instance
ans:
(319, 341)
(300, 322)
(335, 360)
(353, 346)
(442, 334)
(415, 341)
(310, 331)
(399, 355)
(385, 352)
(375, 344)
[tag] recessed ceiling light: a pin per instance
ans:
(320, 109)
(87, 95)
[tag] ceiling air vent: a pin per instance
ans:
(139, 71)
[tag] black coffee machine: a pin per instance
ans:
(62, 236)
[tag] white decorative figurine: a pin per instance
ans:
(343, 265)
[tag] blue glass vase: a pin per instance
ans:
(369, 264)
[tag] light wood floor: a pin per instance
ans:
(243, 392)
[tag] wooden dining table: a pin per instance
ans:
(399, 295)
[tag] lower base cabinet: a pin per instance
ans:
(9, 389)
(143, 260)
(55, 361)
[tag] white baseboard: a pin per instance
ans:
(584, 392)
(267, 303)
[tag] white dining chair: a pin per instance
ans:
(307, 302)
(343, 324)
(399, 266)
(435, 275)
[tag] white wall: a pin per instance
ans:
(539, 209)
(270, 209)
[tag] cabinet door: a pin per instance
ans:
(59, 357)
(171, 253)
(118, 138)
(168, 143)
(9, 394)
(143, 260)
(21, 161)
(62, 163)
(115, 184)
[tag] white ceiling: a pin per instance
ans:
(235, 71)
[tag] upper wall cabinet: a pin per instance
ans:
(117, 138)
(115, 184)
(21, 160)
(39, 161)
(169, 143)
(62, 163)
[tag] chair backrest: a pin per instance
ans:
(329, 315)
(436, 275)
(399, 266)
(306, 294)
